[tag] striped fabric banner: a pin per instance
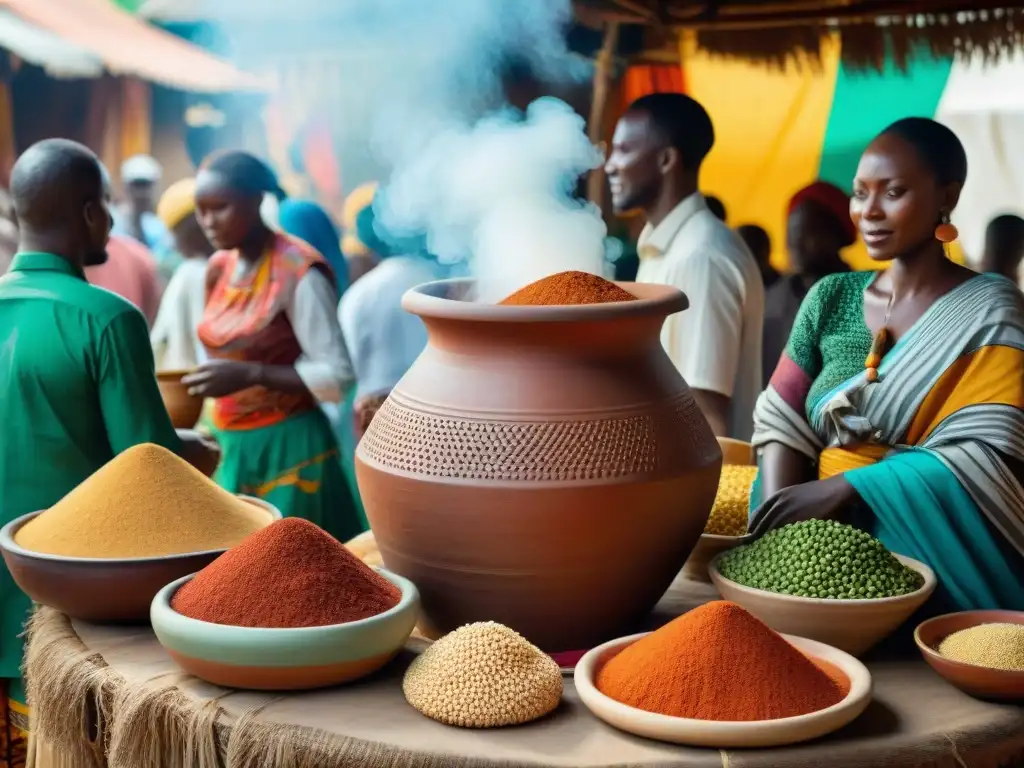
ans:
(777, 131)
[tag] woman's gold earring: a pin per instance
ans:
(946, 232)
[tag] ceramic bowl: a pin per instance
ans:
(284, 659)
(710, 544)
(99, 590)
(184, 409)
(982, 682)
(854, 626)
(719, 734)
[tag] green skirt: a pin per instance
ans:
(294, 465)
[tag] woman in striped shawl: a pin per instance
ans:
(898, 404)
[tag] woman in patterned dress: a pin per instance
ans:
(899, 402)
(276, 352)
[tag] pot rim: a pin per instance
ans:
(427, 300)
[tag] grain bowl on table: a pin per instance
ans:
(145, 518)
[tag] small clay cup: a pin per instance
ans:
(980, 682)
(184, 409)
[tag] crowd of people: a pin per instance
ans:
(890, 398)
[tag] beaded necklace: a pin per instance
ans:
(880, 344)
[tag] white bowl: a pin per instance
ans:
(854, 626)
(726, 734)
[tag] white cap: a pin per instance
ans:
(141, 168)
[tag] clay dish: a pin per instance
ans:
(735, 452)
(183, 408)
(284, 659)
(853, 626)
(104, 591)
(720, 734)
(981, 682)
(544, 467)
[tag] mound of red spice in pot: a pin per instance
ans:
(290, 574)
(718, 662)
(569, 288)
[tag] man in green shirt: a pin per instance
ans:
(77, 380)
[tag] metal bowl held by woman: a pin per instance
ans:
(101, 590)
(545, 467)
(183, 408)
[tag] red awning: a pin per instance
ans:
(129, 46)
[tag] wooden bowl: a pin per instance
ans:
(711, 545)
(981, 682)
(184, 409)
(284, 659)
(100, 590)
(722, 734)
(854, 626)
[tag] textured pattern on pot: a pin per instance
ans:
(544, 467)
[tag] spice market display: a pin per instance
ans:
(146, 502)
(820, 559)
(718, 662)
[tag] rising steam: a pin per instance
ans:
(481, 181)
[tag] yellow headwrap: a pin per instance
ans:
(177, 202)
(358, 199)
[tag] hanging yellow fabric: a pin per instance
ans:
(769, 127)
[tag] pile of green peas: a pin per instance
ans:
(823, 559)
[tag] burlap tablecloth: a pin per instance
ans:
(150, 715)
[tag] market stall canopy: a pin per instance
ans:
(39, 46)
(122, 43)
(781, 31)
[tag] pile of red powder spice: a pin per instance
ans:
(567, 288)
(718, 662)
(290, 574)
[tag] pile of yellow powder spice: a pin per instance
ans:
(483, 675)
(145, 502)
(996, 646)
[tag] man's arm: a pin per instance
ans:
(705, 340)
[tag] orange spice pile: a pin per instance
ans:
(718, 662)
(569, 288)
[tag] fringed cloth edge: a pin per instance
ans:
(84, 715)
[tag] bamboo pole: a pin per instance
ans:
(599, 104)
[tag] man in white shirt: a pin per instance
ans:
(654, 166)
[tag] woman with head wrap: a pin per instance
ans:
(898, 405)
(270, 328)
(360, 258)
(309, 222)
(818, 227)
(174, 336)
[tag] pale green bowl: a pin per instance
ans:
(284, 659)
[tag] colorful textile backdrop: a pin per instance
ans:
(777, 131)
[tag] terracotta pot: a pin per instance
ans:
(542, 467)
(183, 408)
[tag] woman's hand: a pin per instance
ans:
(201, 452)
(817, 500)
(220, 378)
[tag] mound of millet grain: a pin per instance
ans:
(483, 675)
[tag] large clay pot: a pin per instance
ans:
(542, 467)
(183, 408)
